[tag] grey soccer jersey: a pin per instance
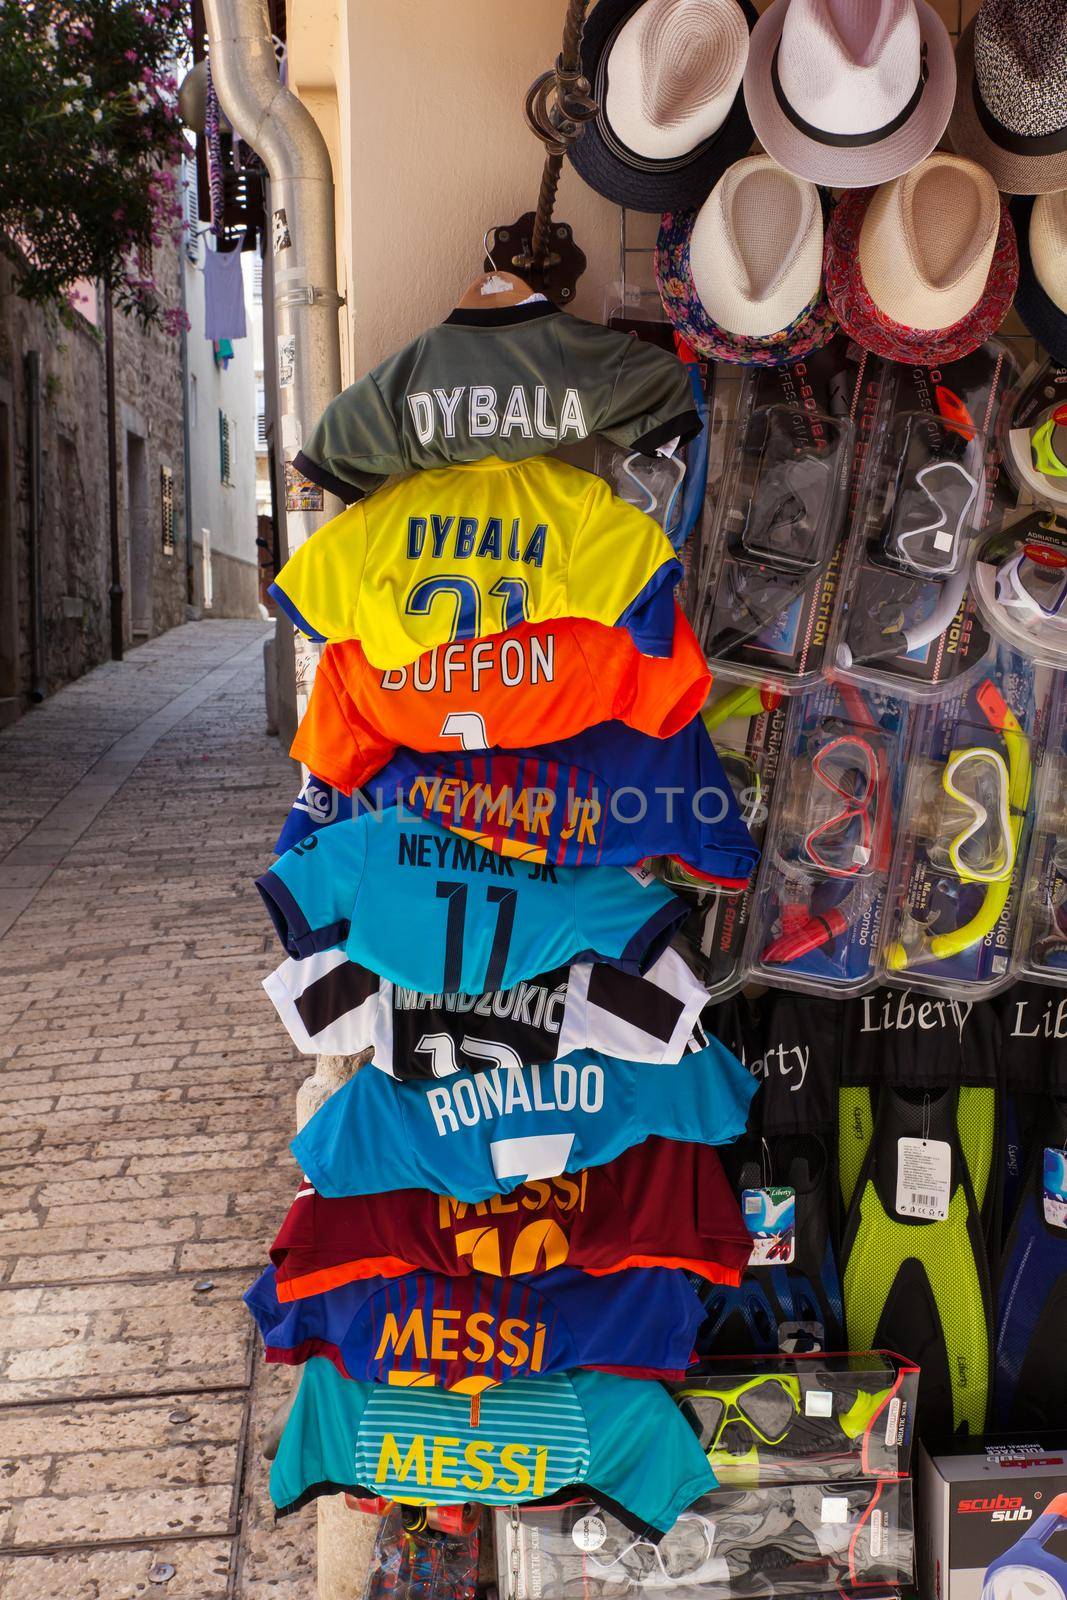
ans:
(513, 382)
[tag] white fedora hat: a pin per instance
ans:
(924, 268)
(742, 277)
(666, 76)
(850, 93)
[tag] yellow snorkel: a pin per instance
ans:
(942, 946)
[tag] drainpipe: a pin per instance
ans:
(307, 357)
(36, 576)
(187, 442)
(283, 133)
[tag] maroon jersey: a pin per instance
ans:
(661, 1204)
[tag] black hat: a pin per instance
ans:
(666, 76)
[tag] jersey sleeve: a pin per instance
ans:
(723, 847)
(355, 444)
(311, 890)
(318, 1442)
(644, 1459)
(704, 1097)
(622, 571)
(318, 587)
(661, 697)
(624, 916)
(334, 740)
(358, 1141)
(652, 401)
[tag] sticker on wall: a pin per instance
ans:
(286, 360)
(280, 237)
(300, 493)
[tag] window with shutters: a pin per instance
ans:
(191, 210)
(257, 280)
(225, 448)
(166, 501)
(261, 419)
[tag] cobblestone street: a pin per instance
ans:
(145, 1108)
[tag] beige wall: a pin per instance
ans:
(433, 150)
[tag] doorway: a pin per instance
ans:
(138, 536)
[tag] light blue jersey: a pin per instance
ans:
(623, 1440)
(436, 912)
(476, 1134)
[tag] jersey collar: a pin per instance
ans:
(501, 316)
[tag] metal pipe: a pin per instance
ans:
(115, 592)
(187, 442)
(33, 415)
(283, 133)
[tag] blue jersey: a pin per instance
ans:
(468, 1334)
(476, 1134)
(316, 806)
(435, 912)
(624, 1441)
(608, 796)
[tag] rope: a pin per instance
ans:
(558, 104)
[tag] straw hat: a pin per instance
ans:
(666, 76)
(742, 277)
(1011, 99)
(924, 268)
(1041, 298)
(848, 94)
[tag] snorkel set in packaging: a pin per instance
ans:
(825, 868)
(954, 900)
(767, 583)
(812, 1457)
(933, 480)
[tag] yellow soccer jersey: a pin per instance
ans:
(462, 552)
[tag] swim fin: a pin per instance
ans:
(919, 1287)
(795, 1307)
(1031, 1373)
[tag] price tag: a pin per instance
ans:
(835, 1508)
(1055, 1187)
(924, 1179)
(589, 1533)
(770, 1217)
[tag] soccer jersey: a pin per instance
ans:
(543, 680)
(333, 1007)
(607, 796)
(316, 806)
(661, 1204)
(476, 1134)
(468, 1334)
(513, 381)
(626, 1442)
(463, 552)
(433, 911)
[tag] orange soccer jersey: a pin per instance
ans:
(539, 682)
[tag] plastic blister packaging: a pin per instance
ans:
(1019, 579)
(766, 586)
(823, 880)
(746, 724)
(954, 900)
(1041, 943)
(803, 1418)
(784, 1539)
(933, 480)
(1034, 434)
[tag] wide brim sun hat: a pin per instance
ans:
(850, 95)
(1041, 298)
(1011, 97)
(923, 269)
(666, 76)
(741, 276)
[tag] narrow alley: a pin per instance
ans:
(147, 1099)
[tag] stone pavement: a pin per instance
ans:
(145, 1105)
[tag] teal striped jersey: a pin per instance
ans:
(623, 1440)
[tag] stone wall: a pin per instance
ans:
(74, 539)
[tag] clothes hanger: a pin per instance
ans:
(493, 289)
